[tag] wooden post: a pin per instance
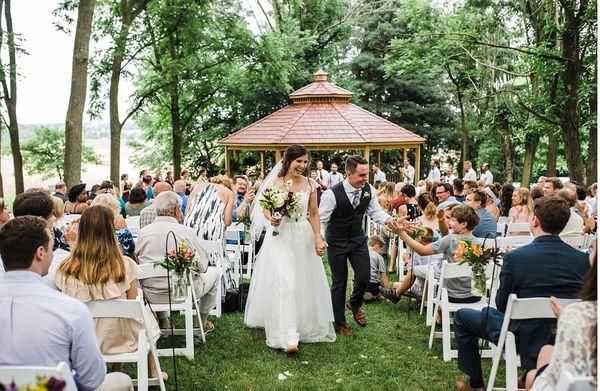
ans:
(227, 162)
(367, 152)
(405, 153)
(277, 155)
(262, 162)
(379, 158)
(418, 164)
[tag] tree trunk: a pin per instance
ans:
(506, 147)
(592, 160)
(463, 134)
(531, 143)
(1, 181)
(74, 120)
(176, 129)
(553, 140)
(10, 99)
(571, 74)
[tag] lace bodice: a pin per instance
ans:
(575, 348)
(305, 193)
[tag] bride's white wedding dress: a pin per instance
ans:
(289, 295)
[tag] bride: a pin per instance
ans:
(289, 296)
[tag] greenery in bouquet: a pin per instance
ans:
(180, 261)
(43, 383)
(474, 255)
(281, 202)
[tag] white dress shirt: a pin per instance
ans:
(42, 327)
(470, 175)
(434, 175)
(487, 177)
(328, 204)
(410, 172)
(323, 175)
(335, 178)
(379, 176)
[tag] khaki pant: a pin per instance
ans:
(116, 381)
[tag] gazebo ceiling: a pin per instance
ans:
(322, 115)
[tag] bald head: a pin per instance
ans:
(569, 195)
(159, 187)
(179, 186)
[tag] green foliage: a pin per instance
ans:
(45, 153)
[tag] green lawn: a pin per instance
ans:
(391, 353)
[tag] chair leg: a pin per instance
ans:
(189, 330)
(511, 363)
(432, 333)
(142, 362)
(446, 333)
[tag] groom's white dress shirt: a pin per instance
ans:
(328, 204)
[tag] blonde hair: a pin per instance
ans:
(389, 190)
(59, 208)
(375, 240)
(110, 201)
(221, 180)
(96, 257)
(526, 200)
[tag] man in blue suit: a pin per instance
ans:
(546, 267)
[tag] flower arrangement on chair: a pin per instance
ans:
(180, 262)
(471, 253)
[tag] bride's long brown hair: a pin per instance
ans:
(292, 153)
(96, 257)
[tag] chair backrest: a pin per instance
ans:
(577, 241)
(502, 219)
(517, 227)
(26, 375)
(454, 270)
(501, 228)
(513, 242)
(533, 308)
(129, 309)
(151, 270)
(568, 382)
(233, 234)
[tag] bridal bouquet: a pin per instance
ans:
(281, 203)
(474, 255)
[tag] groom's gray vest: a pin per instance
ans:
(345, 222)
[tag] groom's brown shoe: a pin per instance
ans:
(359, 316)
(343, 330)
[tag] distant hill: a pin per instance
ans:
(91, 130)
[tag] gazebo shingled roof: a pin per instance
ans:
(322, 118)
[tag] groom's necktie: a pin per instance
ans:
(356, 199)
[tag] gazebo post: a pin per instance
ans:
(262, 162)
(405, 151)
(277, 155)
(418, 164)
(367, 152)
(379, 158)
(227, 163)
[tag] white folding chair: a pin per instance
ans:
(577, 241)
(214, 248)
(568, 382)
(429, 288)
(518, 309)
(512, 242)
(502, 219)
(235, 247)
(518, 227)
(27, 375)
(131, 309)
(150, 270)
(500, 229)
(451, 270)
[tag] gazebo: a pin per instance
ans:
(322, 118)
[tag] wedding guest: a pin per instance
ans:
(125, 186)
(386, 196)
(411, 207)
(459, 190)
(541, 180)
(244, 197)
(591, 198)
(67, 334)
(408, 172)
(487, 224)
(486, 176)
(185, 175)
(335, 177)
(59, 209)
(148, 214)
(378, 276)
(552, 186)
(77, 201)
(179, 189)
(170, 179)
(157, 177)
(147, 183)
(124, 236)
(470, 174)
(378, 174)
(469, 186)
(93, 192)
(322, 174)
(60, 191)
(521, 206)
(428, 218)
(107, 187)
(564, 270)
(575, 348)
(450, 177)
(4, 214)
(315, 177)
(434, 174)
(575, 223)
(399, 200)
(151, 248)
(536, 192)
(137, 202)
(490, 201)
(506, 199)
(96, 270)
(443, 193)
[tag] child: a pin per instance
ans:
(376, 282)
(412, 263)
(463, 220)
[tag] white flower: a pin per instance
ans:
(281, 377)
(279, 199)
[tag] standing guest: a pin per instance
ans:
(143, 173)
(126, 191)
(148, 214)
(470, 174)
(96, 270)
(408, 172)
(378, 174)
(137, 202)
(4, 215)
(319, 187)
(125, 185)
(147, 183)
(506, 199)
(209, 213)
(564, 270)
(434, 174)
(552, 186)
(378, 276)
(322, 174)
(67, 334)
(450, 177)
(490, 202)
(170, 179)
(443, 193)
(93, 192)
(486, 175)
(334, 176)
(179, 189)
(541, 180)
(522, 205)
(185, 175)
(60, 191)
(459, 190)
(487, 225)
(124, 236)
(244, 197)
(575, 224)
(77, 201)
(157, 177)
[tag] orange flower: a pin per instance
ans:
(460, 251)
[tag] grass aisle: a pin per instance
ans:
(391, 353)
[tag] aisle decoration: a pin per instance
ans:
(180, 263)
(474, 255)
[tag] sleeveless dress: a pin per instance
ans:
(207, 217)
(289, 295)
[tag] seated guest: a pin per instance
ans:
(93, 192)
(4, 215)
(487, 226)
(521, 206)
(179, 188)
(506, 199)
(107, 187)
(552, 186)
(428, 209)
(66, 332)
(464, 219)
(150, 248)
(536, 192)
(59, 208)
(575, 348)
(443, 193)
(60, 191)
(77, 201)
(459, 190)
(378, 276)
(491, 200)
(399, 199)
(96, 270)
(469, 186)
(137, 202)
(148, 214)
(575, 224)
(547, 267)
(124, 236)
(147, 183)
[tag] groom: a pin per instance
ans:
(342, 208)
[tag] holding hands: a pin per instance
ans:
(320, 245)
